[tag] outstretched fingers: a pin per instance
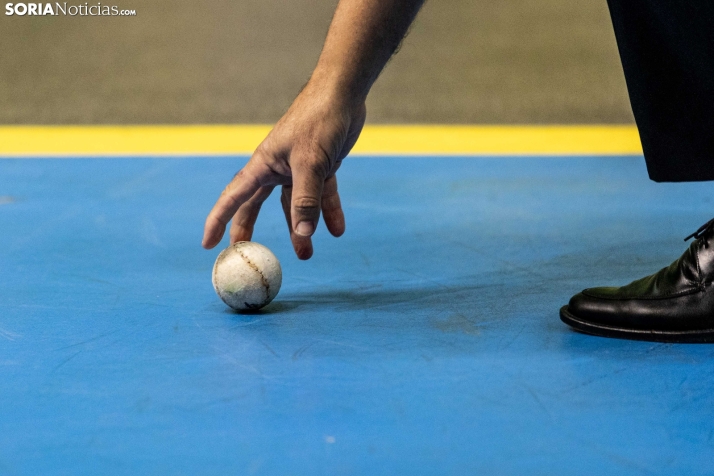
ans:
(301, 244)
(243, 186)
(332, 208)
(332, 213)
(306, 198)
(244, 219)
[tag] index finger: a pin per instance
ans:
(238, 191)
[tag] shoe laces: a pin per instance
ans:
(701, 231)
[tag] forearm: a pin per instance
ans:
(305, 148)
(362, 37)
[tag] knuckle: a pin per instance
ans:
(261, 158)
(313, 165)
(331, 202)
(308, 204)
(270, 160)
(320, 168)
(241, 176)
(217, 218)
(262, 149)
(227, 199)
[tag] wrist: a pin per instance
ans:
(338, 86)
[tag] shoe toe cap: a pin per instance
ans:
(593, 305)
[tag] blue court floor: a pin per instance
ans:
(425, 341)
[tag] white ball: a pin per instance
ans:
(247, 276)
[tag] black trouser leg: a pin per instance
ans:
(667, 52)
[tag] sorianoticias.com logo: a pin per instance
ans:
(62, 8)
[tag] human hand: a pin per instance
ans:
(302, 154)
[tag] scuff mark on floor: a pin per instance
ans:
(456, 323)
(8, 334)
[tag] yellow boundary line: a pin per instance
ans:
(58, 141)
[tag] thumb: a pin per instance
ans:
(308, 180)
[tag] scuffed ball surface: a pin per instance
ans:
(247, 276)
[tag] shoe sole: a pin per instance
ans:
(696, 336)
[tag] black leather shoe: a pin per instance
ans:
(676, 304)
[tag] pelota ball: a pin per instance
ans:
(247, 276)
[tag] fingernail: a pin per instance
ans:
(305, 228)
